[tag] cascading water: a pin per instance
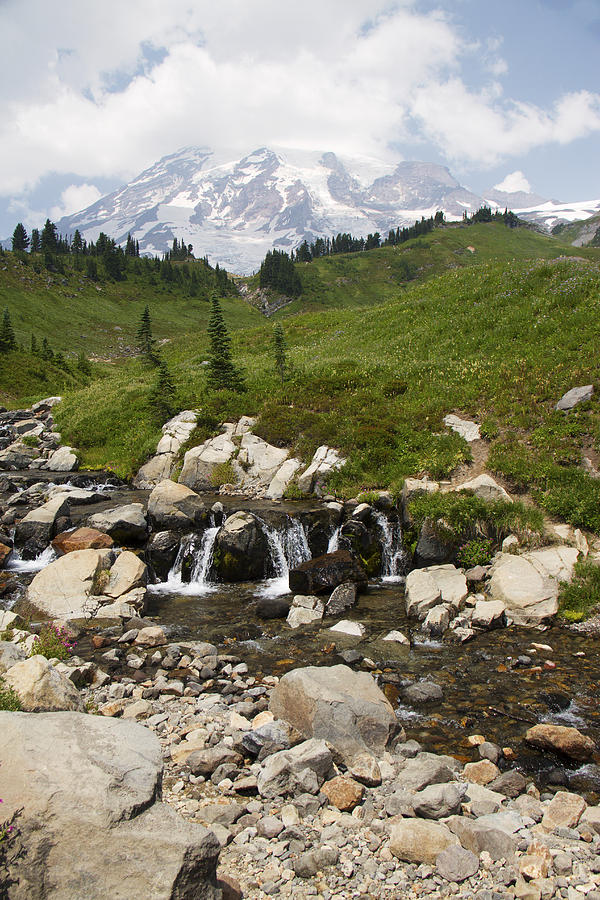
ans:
(17, 564)
(201, 548)
(334, 540)
(393, 556)
(289, 547)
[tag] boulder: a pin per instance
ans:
(127, 572)
(419, 841)
(561, 739)
(324, 462)
(10, 654)
(104, 779)
(456, 864)
(158, 468)
(35, 531)
(161, 551)
(488, 614)
(273, 608)
(64, 459)
(200, 462)
(575, 396)
(529, 598)
(477, 837)
(282, 479)
(176, 507)
(66, 588)
(467, 430)
(342, 707)
(437, 801)
(283, 772)
(425, 769)
(124, 523)
(343, 792)
(437, 619)
(241, 549)
(426, 588)
(485, 488)
(81, 539)
(423, 692)
(324, 573)
(564, 811)
(432, 549)
(41, 688)
(175, 433)
(260, 461)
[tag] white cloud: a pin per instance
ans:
(106, 89)
(515, 181)
(74, 198)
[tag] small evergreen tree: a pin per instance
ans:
(46, 351)
(279, 349)
(146, 343)
(7, 335)
(221, 371)
(20, 240)
(163, 393)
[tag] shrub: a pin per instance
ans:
(477, 552)
(9, 701)
(578, 599)
(223, 473)
(54, 642)
(293, 492)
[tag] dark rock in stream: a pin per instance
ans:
(273, 607)
(327, 572)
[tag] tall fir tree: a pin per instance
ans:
(7, 335)
(20, 240)
(221, 371)
(49, 237)
(163, 393)
(146, 342)
(35, 241)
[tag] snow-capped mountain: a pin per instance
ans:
(234, 210)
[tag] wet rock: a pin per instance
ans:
(419, 841)
(397, 637)
(126, 524)
(343, 597)
(174, 506)
(161, 551)
(345, 626)
(456, 864)
(343, 707)
(104, 779)
(41, 688)
(324, 573)
(241, 549)
(561, 739)
(423, 692)
(273, 608)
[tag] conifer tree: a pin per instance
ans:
(34, 343)
(20, 240)
(279, 349)
(35, 241)
(221, 371)
(146, 343)
(7, 335)
(46, 351)
(163, 393)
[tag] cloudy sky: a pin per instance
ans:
(502, 91)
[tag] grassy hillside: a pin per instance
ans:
(358, 279)
(583, 233)
(497, 342)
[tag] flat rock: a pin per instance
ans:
(81, 539)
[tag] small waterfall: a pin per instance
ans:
(334, 540)
(289, 547)
(393, 557)
(17, 564)
(201, 548)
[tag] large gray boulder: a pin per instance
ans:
(343, 707)
(575, 396)
(528, 585)
(175, 506)
(123, 523)
(63, 459)
(175, 433)
(428, 587)
(200, 462)
(36, 530)
(67, 587)
(41, 688)
(92, 823)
